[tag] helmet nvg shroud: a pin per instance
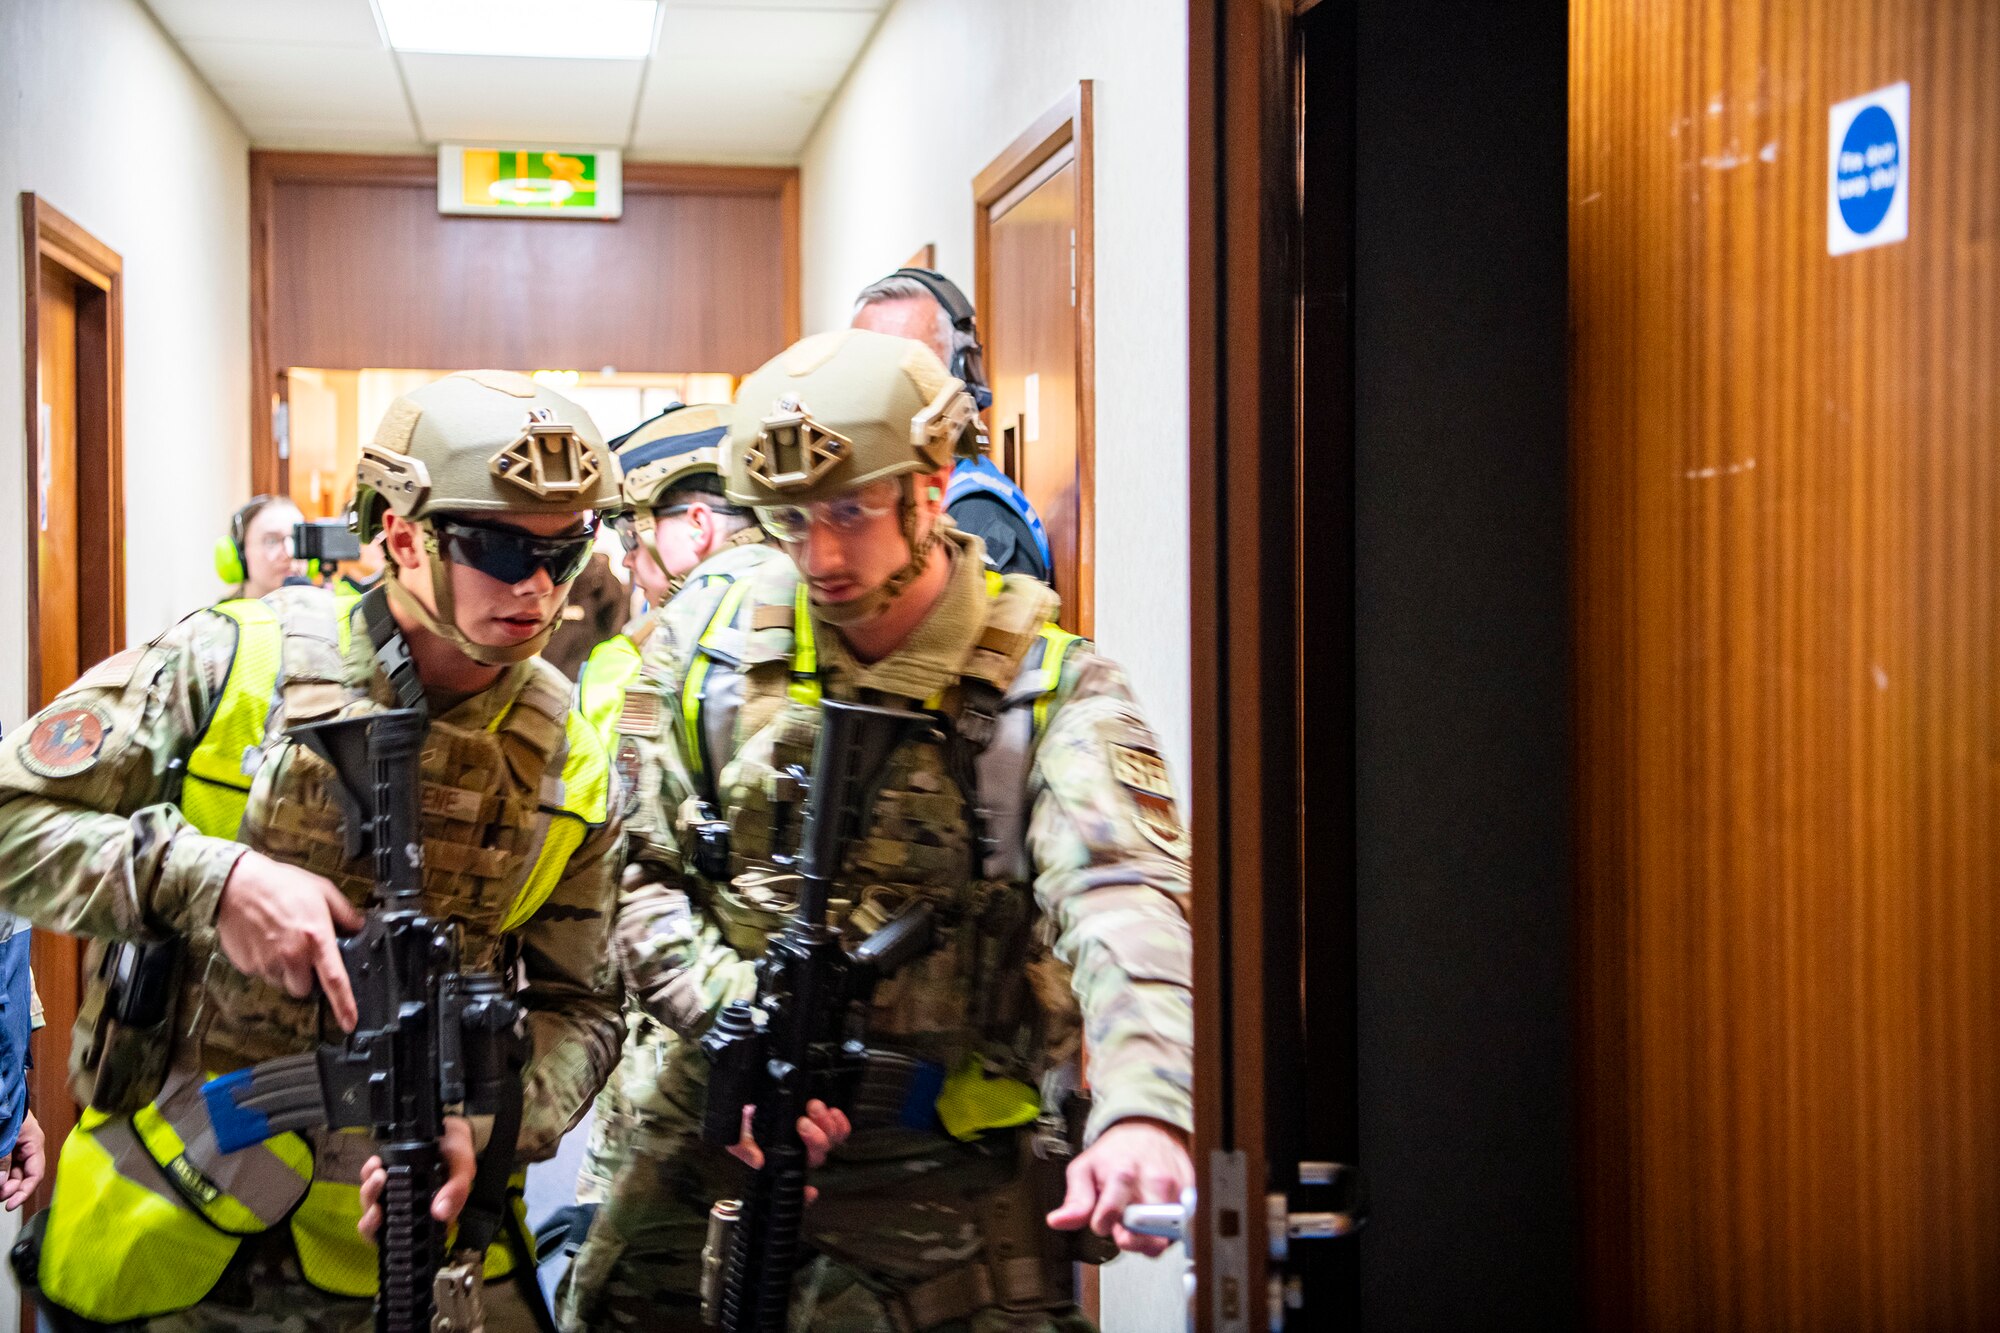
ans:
(481, 442)
(840, 411)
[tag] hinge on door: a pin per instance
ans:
(1228, 1275)
(1072, 268)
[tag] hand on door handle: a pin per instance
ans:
(1135, 1161)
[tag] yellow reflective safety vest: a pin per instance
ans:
(600, 687)
(216, 787)
(346, 595)
(147, 1212)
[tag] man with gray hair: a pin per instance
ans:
(924, 305)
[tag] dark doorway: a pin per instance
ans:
(1378, 494)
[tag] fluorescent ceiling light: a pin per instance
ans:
(575, 29)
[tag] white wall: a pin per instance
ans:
(944, 86)
(890, 168)
(101, 117)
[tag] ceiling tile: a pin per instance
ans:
(322, 22)
(739, 33)
(395, 127)
(361, 78)
(734, 80)
(333, 136)
(765, 106)
(530, 100)
(295, 82)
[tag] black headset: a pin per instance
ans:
(967, 363)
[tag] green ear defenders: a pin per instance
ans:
(229, 561)
(231, 565)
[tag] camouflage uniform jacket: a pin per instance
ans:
(93, 848)
(1105, 852)
(651, 749)
(649, 918)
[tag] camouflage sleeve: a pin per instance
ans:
(675, 959)
(1111, 863)
(649, 740)
(88, 843)
(571, 995)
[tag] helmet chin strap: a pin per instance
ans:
(444, 623)
(674, 581)
(860, 610)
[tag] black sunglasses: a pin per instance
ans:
(511, 556)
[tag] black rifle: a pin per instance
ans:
(802, 1038)
(431, 1039)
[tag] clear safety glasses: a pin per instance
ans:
(844, 514)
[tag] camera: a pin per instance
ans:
(325, 540)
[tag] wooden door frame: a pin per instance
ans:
(1243, 639)
(269, 170)
(1066, 123)
(47, 233)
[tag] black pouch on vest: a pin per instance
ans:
(124, 1030)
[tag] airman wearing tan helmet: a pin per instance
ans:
(1037, 821)
(159, 803)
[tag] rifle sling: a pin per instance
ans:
(392, 651)
(485, 1211)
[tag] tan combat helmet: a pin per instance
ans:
(840, 411)
(478, 442)
(660, 454)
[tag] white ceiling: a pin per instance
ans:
(728, 80)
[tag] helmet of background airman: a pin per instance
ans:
(654, 457)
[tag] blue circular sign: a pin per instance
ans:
(1869, 169)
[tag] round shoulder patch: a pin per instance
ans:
(66, 742)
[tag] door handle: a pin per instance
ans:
(1283, 1226)
(1169, 1221)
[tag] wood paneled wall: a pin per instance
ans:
(353, 266)
(1787, 559)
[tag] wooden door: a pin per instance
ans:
(73, 321)
(1034, 264)
(56, 555)
(56, 958)
(1787, 568)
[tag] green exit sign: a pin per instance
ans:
(530, 182)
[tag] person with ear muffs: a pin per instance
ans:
(255, 559)
(925, 305)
